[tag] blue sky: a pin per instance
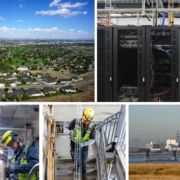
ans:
(65, 19)
(153, 123)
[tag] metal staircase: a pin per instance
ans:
(64, 169)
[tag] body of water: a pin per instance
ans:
(139, 159)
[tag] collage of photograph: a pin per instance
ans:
(89, 90)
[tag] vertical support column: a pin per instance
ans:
(147, 155)
(174, 65)
(51, 147)
(2, 170)
(174, 156)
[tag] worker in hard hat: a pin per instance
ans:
(25, 157)
(82, 133)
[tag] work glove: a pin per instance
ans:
(72, 133)
(10, 169)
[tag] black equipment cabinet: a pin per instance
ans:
(104, 64)
(162, 64)
(129, 64)
(138, 64)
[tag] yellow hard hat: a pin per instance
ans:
(8, 137)
(88, 114)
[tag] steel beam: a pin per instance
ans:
(137, 10)
(12, 128)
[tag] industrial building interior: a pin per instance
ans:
(22, 120)
(138, 50)
(106, 157)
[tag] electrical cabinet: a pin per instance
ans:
(138, 64)
(104, 64)
(129, 64)
(162, 64)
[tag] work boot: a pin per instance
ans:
(84, 178)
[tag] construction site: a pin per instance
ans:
(138, 47)
(74, 151)
(19, 142)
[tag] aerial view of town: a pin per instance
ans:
(42, 59)
(46, 69)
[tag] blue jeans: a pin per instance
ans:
(84, 155)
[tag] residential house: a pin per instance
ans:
(68, 89)
(12, 82)
(33, 92)
(75, 78)
(9, 77)
(39, 75)
(23, 68)
(27, 81)
(81, 78)
(17, 92)
(64, 81)
(28, 73)
(49, 90)
(30, 81)
(1, 93)
(51, 81)
(22, 76)
(5, 73)
(91, 67)
(1, 83)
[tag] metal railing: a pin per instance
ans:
(111, 130)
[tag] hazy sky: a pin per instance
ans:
(153, 123)
(47, 19)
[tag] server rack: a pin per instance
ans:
(129, 63)
(162, 64)
(104, 64)
(155, 72)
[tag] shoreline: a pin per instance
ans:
(153, 153)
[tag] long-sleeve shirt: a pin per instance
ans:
(32, 158)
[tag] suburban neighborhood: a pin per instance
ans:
(32, 69)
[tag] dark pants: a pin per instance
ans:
(84, 155)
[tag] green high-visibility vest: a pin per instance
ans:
(24, 161)
(77, 129)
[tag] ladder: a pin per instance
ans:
(77, 151)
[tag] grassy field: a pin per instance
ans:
(154, 172)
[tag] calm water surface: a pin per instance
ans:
(136, 159)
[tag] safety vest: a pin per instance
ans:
(24, 161)
(77, 129)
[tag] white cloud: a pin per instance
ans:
(4, 29)
(62, 12)
(20, 5)
(64, 9)
(19, 20)
(69, 5)
(54, 3)
(79, 31)
(85, 12)
(2, 19)
(71, 30)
